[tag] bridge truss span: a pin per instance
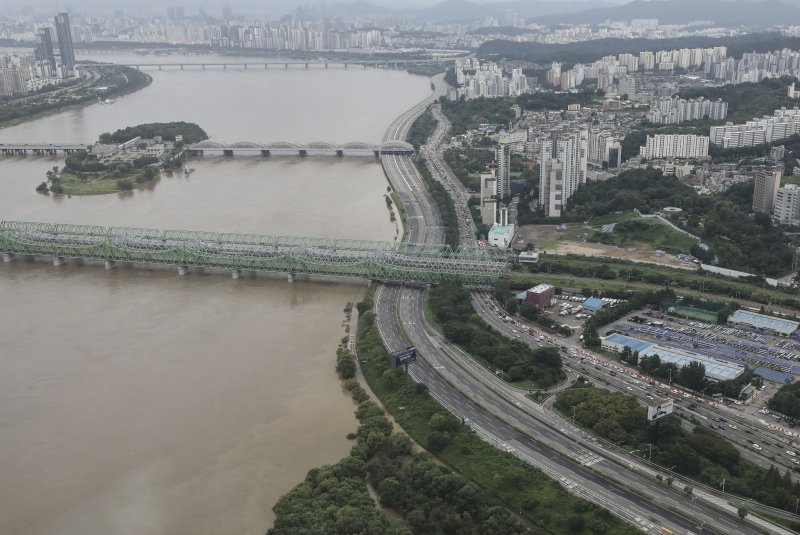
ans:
(315, 148)
(364, 259)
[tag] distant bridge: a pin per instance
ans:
(224, 65)
(362, 259)
(317, 148)
(40, 148)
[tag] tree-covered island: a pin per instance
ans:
(124, 160)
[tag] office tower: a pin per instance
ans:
(503, 157)
(227, 13)
(44, 47)
(562, 168)
(787, 204)
(765, 191)
(65, 48)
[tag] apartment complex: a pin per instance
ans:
(674, 146)
(677, 110)
(782, 124)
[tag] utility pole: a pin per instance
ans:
(573, 414)
(650, 455)
(723, 486)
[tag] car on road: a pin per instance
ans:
(790, 453)
(757, 447)
(732, 426)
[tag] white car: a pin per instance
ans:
(790, 453)
(756, 447)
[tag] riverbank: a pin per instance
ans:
(109, 84)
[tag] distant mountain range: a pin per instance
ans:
(464, 11)
(722, 12)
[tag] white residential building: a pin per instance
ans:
(677, 110)
(787, 205)
(674, 146)
(562, 168)
(782, 124)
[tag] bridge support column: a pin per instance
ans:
(59, 261)
(181, 67)
(183, 270)
(290, 278)
(285, 65)
(159, 67)
(9, 257)
(245, 66)
(224, 67)
(236, 273)
(111, 264)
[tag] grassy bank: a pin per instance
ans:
(521, 487)
(116, 83)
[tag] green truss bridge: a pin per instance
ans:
(253, 252)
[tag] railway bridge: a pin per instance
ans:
(363, 259)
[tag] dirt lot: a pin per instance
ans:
(549, 239)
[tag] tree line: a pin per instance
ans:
(699, 453)
(191, 132)
(452, 308)
(731, 237)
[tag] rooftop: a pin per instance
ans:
(594, 303)
(714, 368)
(539, 288)
(765, 322)
(502, 230)
(634, 344)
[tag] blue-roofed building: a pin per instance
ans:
(717, 370)
(770, 324)
(593, 304)
(616, 343)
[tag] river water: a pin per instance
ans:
(136, 401)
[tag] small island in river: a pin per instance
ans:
(124, 160)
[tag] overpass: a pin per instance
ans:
(363, 259)
(39, 148)
(224, 65)
(316, 148)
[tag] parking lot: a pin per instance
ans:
(773, 357)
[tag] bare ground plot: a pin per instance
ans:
(549, 239)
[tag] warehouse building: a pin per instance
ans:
(716, 370)
(541, 295)
(762, 322)
(616, 343)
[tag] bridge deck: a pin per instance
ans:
(314, 256)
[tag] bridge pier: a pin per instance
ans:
(227, 152)
(224, 67)
(306, 66)
(245, 66)
(285, 65)
(159, 67)
(59, 261)
(345, 65)
(265, 66)
(204, 67)
(265, 153)
(236, 273)
(111, 264)
(183, 270)
(181, 66)
(9, 257)
(290, 278)
(302, 153)
(326, 64)
(340, 153)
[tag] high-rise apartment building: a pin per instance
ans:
(765, 191)
(44, 47)
(782, 124)
(503, 157)
(562, 168)
(64, 35)
(677, 110)
(787, 205)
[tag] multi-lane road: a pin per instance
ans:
(503, 415)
